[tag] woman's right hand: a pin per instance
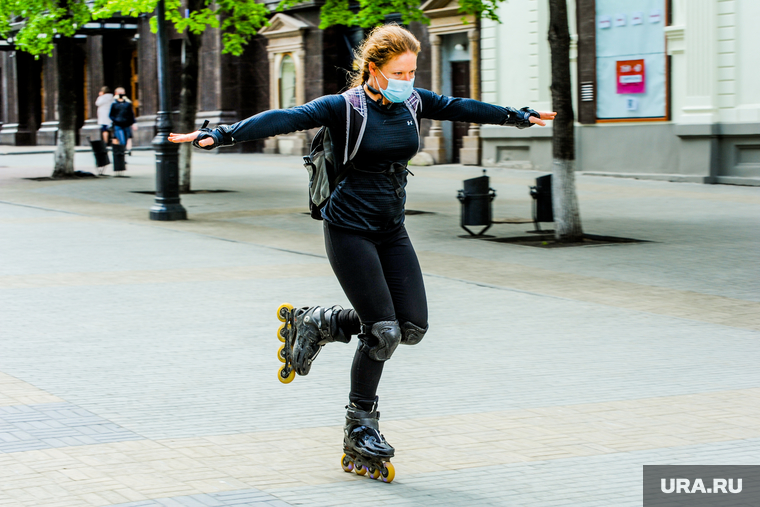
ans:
(189, 138)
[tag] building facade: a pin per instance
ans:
(663, 89)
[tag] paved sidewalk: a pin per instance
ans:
(41, 150)
(137, 359)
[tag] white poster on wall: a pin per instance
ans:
(631, 60)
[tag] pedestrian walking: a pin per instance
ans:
(365, 238)
(103, 103)
(123, 116)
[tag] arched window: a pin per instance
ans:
(287, 82)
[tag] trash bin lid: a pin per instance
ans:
(479, 185)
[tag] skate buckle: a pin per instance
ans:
(311, 360)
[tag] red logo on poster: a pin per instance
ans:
(631, 76)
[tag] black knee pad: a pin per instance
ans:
(412, 334)
(387, 334)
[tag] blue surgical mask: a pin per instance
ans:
(398, 90)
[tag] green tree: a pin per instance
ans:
(371, 13)
(239, 21)
(36, 26)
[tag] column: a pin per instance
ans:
(697, 126)
(434, 142)
(699, 103)
(270, 143)
(300, 140)
(96, 80)
(10, 98)
(46, 134)
(22, 74)
(470, 152)
(299, 58)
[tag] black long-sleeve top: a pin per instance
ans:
(367, 200)
(122, 114)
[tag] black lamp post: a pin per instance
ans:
(167, 205)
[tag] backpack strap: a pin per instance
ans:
(414, 104)
(356, 106)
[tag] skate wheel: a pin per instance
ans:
(281, 354)
(282, 311)
(389, 473)
(346, 464)
(374, 473)
(361, 471)
(286, 379)
(282, 333)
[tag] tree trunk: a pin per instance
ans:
(67, 109)
(567, 219)
(188, 98)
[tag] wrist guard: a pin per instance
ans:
(220, 135)
(521, 118)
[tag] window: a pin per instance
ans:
(287, 82)
(631, 63)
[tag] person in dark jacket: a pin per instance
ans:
(365, 238)
(123, 117)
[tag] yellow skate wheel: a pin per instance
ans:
(346, 464)
(374, 473)
(281, 332)
(389, 473)
(282, 311)
(360, 471)
(286, 379)
(281, 353)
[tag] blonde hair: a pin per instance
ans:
(381, 45)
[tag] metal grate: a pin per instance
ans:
(587, 92)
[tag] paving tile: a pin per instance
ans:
(51, 425)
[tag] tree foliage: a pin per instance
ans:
(239, 20)
(33, 24)
(373, 12)
(37, 22)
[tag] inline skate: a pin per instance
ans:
(304, 332)
(366, 451)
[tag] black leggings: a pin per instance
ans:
(381, 276)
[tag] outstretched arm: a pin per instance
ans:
(324, 111)
(440, 107)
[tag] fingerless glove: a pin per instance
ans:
(521, 118)
(220, 135)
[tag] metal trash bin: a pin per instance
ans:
(476, 198)
(119, 162)
(543, 210)
(100, 151)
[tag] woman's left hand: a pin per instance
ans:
(544, 116)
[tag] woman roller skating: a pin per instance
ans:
(366, 242)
